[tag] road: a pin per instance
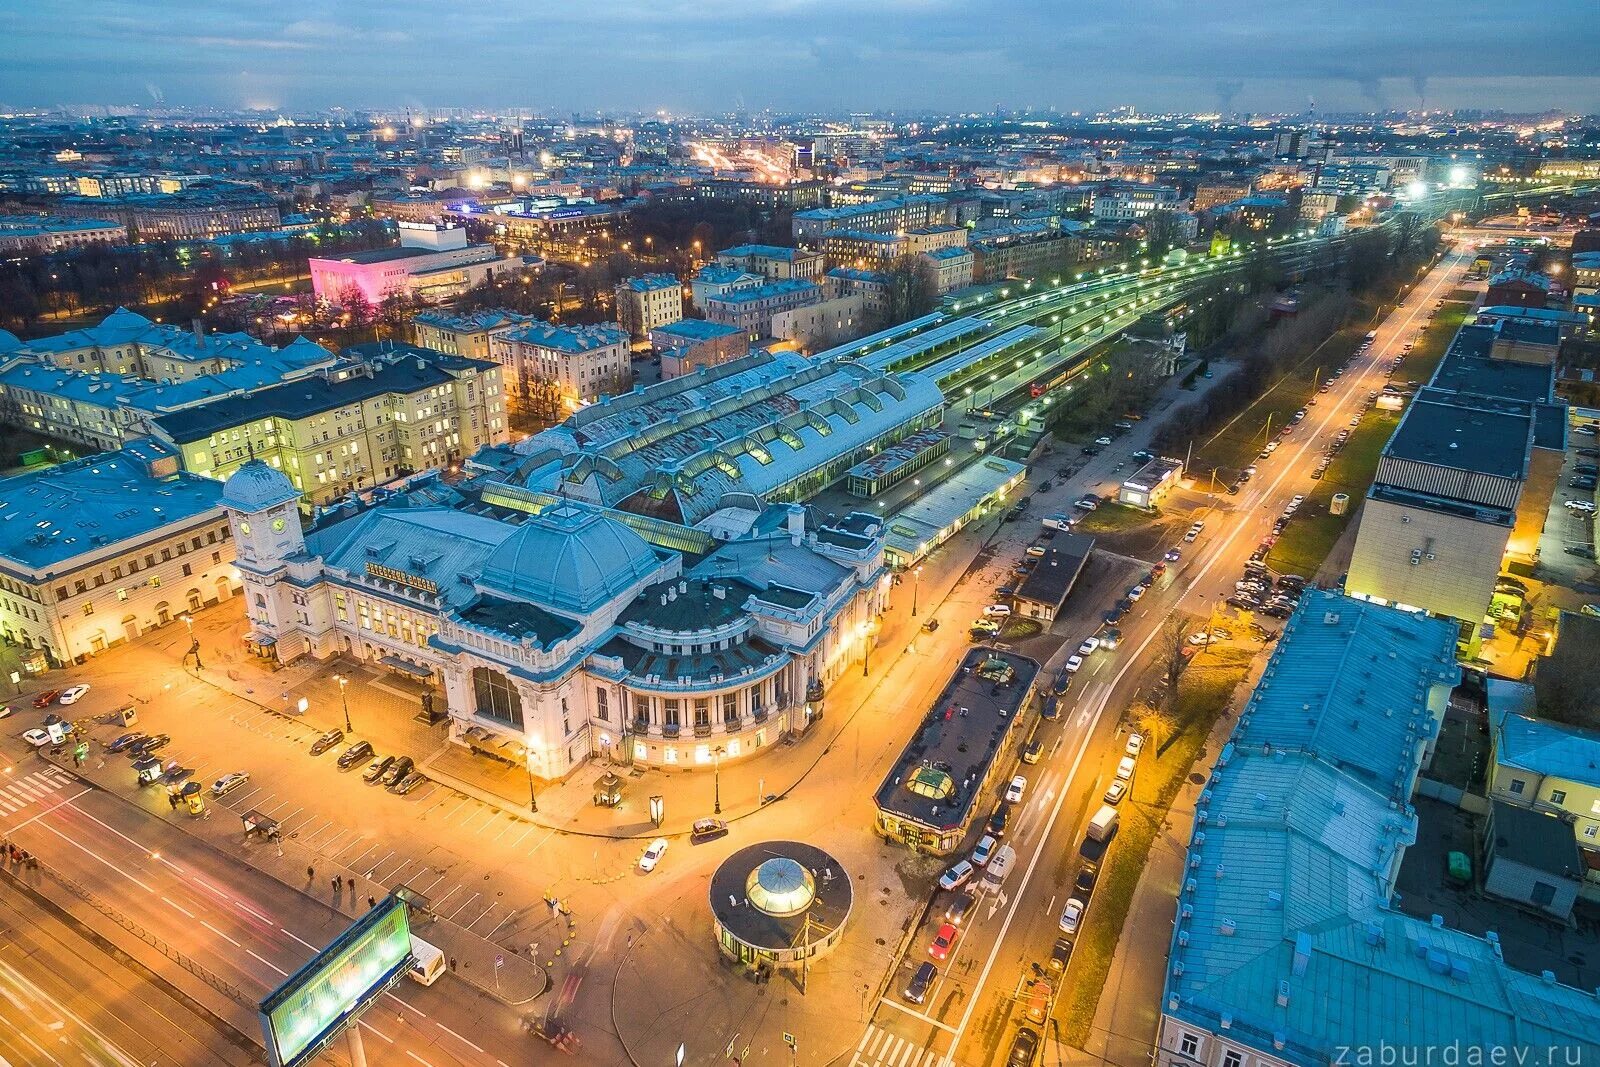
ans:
(975, 1007)
(65, 999)
(247, 930)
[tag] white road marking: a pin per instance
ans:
(179, 907)
(220, 934)
(268, 962)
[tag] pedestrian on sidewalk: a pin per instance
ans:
(337, 882)
(311, 873)
(452, 964)
(372, 902)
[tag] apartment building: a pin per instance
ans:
(580, 362)
(894, 215)
(773, 262)
(97, 551)
(384, 411)
(1124, 201)
(752, 309)
(469, 335)
(647, 301)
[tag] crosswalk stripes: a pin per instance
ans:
(30, 788)
(882, 1048)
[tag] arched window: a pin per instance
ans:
(495, 696)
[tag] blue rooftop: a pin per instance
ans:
(767, 291)
(695, 330)
(51, 516)
(1286, 940)
(1539, 745)
(570, 338)
(649, 283)
(762, 252)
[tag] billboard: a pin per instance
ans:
(318, 1001)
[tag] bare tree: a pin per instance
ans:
(1168, 647)
(912, 289)
(1156, 725)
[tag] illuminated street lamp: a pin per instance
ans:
(344, 702)
(916, 583)
(716, 780)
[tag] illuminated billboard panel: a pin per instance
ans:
(313, 1005)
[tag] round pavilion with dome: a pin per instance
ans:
(780, 903)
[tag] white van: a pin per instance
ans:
(994, 874)
(1125, 769)
(427, 962)
(1104, 823)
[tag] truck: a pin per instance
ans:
(1058, 522)
(994, 873)
(1104, 823)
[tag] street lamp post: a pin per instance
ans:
(716, 780)
(866, 648)
(916, 583)
(194, 645)
(527, 765)
(344, 702)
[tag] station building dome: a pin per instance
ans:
(569, 558)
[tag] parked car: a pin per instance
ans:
(958, 875)
(943, 941)
(377, 770)
(354, 754)
(125, 741)
(1134, 746)
(1015, 790)
(652, 855)
(36, 738)
(921, 980)
(229, 782)
(326, 742)
(1063, 679)
(1116, 791)
(73, 694)
(1087, 502)
(1580, 505)
(1032, 751)
(398, 770)
(1083, 885)
(46, 698)
(149, 745)
(1024, 1047)
(1071, 916)
(408, 783)
(1060, 954)
(1088, 646)
(1073, 664)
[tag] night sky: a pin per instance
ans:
(714, 55)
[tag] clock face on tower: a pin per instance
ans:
(244, 526)
(278, 524)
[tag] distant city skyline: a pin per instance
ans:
(701, 56)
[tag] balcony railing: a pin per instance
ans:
(670, 729)
(702, 729)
